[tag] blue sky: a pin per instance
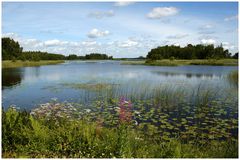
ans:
(119, 29)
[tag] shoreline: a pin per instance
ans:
(19, 63)
(167, 62)
(164, 62)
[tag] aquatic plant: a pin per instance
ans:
(233, 77)
(89, 86)
(55, 111)
(125, 115)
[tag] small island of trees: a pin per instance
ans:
(198, 51)
(92, 56)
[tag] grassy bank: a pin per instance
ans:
(167, 62)
(18, 63)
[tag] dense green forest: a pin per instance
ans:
(235, 56)
(189, 52)
(89, 56)
(37, 55)
(11, 50)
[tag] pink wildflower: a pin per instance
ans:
(125, 115)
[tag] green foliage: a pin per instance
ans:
(177, 62)
(13, 59)
(92, 56)
(18, 63)
(141, 57)
(72, 57)
(150, 61)
(10, 49)
(235, 56)
(189, 52)
(233, 77)
(171, 58)
(37, 56)
(97, 56)
(161, 62)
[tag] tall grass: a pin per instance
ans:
(169, 62)
(233, 77)
(11, 64)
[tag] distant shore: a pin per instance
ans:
(167, 62)
(164, 62)
(18, 63)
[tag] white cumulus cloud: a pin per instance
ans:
(123, 3)
(160, 12)
(230, 18)
(128, 43)
(55, 42)
(89, 43)
(94, 33)
(208, 41)
(176, 44)
(11, 35)
(206, 32)
(101, 14)
(227, 45)
(177, 36)
(207, 26)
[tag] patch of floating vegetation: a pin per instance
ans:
(55, 111)
(90, 86)
(212, 120)
(54, 89)
(187, 75)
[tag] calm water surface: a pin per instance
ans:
(26, 87)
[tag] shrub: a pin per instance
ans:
(13, 59)
(150, 61)
(171, 58)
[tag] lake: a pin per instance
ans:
(29, 86)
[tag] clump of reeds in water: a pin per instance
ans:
(233, 77)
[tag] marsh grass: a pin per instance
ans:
(167, 62)
(233, 77)
(89, 86)
(18, 63)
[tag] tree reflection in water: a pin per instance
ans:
(12, 77)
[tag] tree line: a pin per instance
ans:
(190, 51)
(11, 50)
(96, 56)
